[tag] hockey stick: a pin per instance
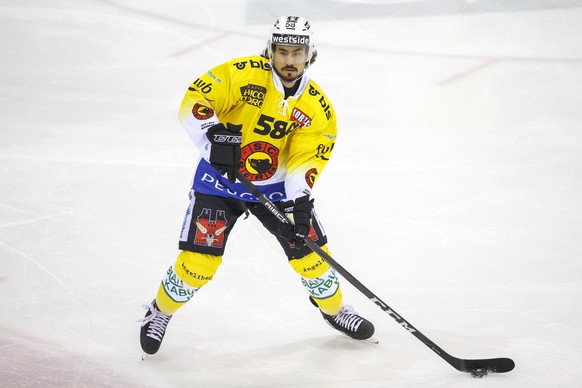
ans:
(477, 367)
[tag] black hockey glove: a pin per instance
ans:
(299, 211)
(225, 148)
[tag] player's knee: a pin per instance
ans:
(310, 266)
(196, 269)
(183, 279)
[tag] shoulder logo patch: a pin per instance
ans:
(202, 112)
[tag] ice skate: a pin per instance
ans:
(350, 323)
(153, 328)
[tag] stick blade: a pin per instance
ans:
(492, 365)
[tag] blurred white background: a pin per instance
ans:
(454, 194)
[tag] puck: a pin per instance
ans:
(478, 372)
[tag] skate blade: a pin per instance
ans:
(373, 340)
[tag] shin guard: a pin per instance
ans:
(321, 281)
(191, 271)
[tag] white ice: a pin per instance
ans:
(454, 194)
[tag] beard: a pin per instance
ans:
(289, 74)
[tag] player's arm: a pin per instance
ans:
(205, 100)
(310, 150)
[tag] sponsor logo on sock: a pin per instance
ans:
(176, 289)
(322, 287)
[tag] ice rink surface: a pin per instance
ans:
(454, 193)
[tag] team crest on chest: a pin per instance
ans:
(260, 160)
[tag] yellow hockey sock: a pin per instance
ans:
(191, 271)
(321, 281)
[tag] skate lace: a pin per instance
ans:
(157, 321)
(348, 318)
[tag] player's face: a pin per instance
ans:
(289, 62)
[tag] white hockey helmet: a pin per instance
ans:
(292, 31)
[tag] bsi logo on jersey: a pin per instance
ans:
(322, 101)
(254, 65)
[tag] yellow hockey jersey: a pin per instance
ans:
(286, 143)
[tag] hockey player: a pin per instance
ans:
(263, 116)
